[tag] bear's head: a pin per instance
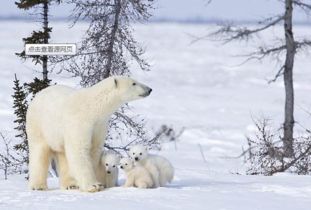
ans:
(126, 164)
(111, 162)
(129, 89)
(138, 152)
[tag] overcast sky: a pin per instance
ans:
(187, 9)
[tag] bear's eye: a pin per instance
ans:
(134, 83)
(140, 153)
(133, 153)
(114, 166)
(106, 164)
(126, 164)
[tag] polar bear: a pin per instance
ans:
(136, 176)
(160, 168)
(71, 125)
(111, 162)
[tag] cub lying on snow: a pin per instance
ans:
(136, 176)
(110, 162)
(160, 168)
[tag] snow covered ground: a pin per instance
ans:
(198, 86)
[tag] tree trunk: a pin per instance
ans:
(46, 39)
(288, 125)
(112, 38)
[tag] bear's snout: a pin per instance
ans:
(147, 91)
(136, 158)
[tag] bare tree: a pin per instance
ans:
(108, 45)
(288, 45)
(266, 155)
(107, 49)
(8, 162)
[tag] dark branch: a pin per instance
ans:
(277, 75)
(302, 5)
(230, 33)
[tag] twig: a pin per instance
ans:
(202, 153)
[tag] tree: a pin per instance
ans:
(20, 106)
(21, 92)
(106, 50)
(38, 37)
(108, 42)
(8, 162)
(288, 45)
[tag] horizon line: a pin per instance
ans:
(195, 20)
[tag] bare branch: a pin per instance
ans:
(302, 5)
(302, 44)
(277, 75)
(230, 33)
(263, 52)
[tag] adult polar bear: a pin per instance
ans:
(72, 125)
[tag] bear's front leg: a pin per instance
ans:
(153, 170)
(141, 184)
(78, 152)
(129, 181)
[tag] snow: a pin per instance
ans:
(200, 87)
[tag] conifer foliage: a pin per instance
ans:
(20, 106)
(40, 36)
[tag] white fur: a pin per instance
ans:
(72, 125)
(136, 176)
(111, 162)
(160, 168)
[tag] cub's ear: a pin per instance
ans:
(116, 83)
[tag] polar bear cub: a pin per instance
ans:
(111, 161)
(159, 167)
(137, 176)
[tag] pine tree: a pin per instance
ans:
(36, 85)
(28, 90)
(38, 37)
(20, 106)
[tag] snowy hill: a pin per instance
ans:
(197, 86)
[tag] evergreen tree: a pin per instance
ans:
(36, 85)
(28, 90)
(38, 37)
(20, 106)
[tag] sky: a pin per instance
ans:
(187, 9)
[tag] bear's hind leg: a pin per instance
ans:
(67, 182)
(80, 163)
(39, 162)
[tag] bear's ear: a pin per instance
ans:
(116, 83)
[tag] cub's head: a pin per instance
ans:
(138, 152)
(129, 89)
(126, 164)
(111, 162)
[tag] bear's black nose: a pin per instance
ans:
(108, 172)
(150, 90)
(121, 167)
(136, 158)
